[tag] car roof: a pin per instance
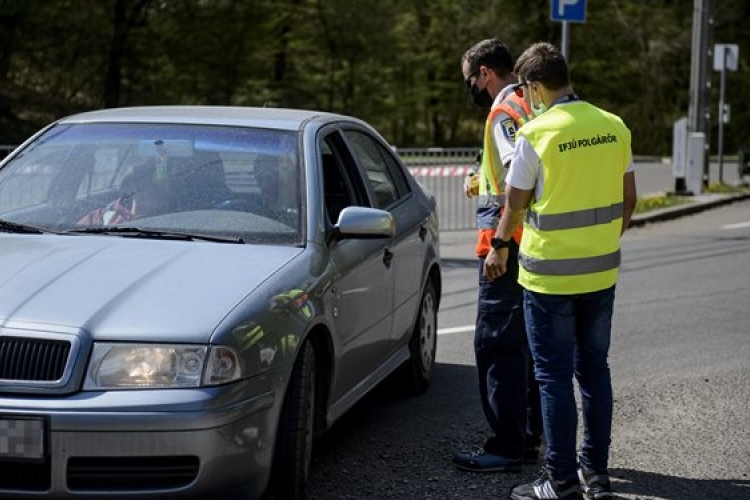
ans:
(269, 118)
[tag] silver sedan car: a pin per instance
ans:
(189, 295)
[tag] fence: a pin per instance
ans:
(442, 171)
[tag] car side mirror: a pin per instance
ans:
(364, 223)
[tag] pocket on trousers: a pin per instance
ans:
(502, 327)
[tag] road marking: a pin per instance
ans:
(739, 225)
(455, 329)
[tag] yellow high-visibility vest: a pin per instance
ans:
(571, 240)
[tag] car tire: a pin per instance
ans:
(416, 372)
(294, 436)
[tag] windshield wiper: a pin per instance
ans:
(140, 232)
(15, 227)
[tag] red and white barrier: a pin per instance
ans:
(442, 171)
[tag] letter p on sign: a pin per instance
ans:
(573, 11)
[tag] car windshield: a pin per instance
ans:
(240, 183)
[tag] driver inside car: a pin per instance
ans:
(142, 196)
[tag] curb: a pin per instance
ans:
(689, 208)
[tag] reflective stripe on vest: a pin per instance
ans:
(572, 220)
(516, 108)
(571, 267)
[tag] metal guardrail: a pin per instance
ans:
(442, 171)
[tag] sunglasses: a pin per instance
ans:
(468, 79)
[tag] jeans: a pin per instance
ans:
(570, 335)
(503, 361)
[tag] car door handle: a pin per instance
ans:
(422, 232)
(387, 257)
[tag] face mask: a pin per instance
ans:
(537, 110)
(482, 98)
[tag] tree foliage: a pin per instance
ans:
(394, 63)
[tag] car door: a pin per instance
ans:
(389, 190)
(362, 291)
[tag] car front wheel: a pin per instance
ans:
(294, 437)
(423, 343)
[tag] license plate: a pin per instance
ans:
(22, 438)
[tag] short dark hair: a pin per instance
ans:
(491, 53)
(544, 63)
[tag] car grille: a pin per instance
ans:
(32, 359)
(131, 473)
(25, 476)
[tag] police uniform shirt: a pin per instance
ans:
(526, 168)
(504, 128)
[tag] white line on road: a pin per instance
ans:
(455, 329)
(739, 225)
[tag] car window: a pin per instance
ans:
(340, 189)
(208, 180)
(378, 173)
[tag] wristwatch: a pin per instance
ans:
(498, 243)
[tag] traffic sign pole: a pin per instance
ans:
(725, 58)
(721, 114)
(566, 12)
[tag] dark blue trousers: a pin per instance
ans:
(508, 390)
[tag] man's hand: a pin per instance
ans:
(471, 185)
(495, 264)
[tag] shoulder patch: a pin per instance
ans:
(509, 129)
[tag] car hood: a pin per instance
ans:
(128, 289)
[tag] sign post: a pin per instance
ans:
(565, 11)
(725, 58)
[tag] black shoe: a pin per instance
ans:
(546, 488)
(595, 484)
(483, 461)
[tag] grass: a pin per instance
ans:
(727, 188)
(655, 202)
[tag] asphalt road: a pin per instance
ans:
(680, 359)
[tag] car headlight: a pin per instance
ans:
(158, 366)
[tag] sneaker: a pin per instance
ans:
(546, 488)
(595, 484)
(483, 461)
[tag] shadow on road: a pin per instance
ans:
(394, 446)
(452, 263)
(649, 484)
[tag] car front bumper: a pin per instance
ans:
(151, 444)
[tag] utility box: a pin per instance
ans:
(743, 162)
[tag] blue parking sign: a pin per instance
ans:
(573, 11)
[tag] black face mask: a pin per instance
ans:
(482, 98)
